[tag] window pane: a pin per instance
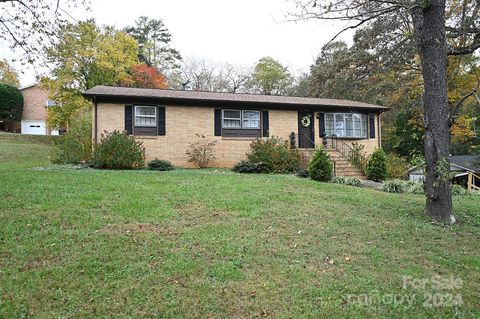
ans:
(231, 123)
(145, 110)
(144, 121)
(357, 125)
(349, 125)
(364, 125)
(329, 124)
(251, 119)
(339, 125)
(231, 114)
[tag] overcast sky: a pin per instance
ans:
(239, 32)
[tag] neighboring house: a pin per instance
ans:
(462, 166)
(166, 121)
(34, 115)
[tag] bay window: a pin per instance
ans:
(351, 125)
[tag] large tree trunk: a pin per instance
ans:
(429, 27)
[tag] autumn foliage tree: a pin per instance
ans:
(144, 76)
(85, 55)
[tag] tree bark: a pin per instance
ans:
(429, 33)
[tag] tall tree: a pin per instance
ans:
(11, 103)
(203, 75)
(7, 74)
(144, 76)
(84, 56)
(428, 32)
(154, 44)
(27, 25)
(270, 77)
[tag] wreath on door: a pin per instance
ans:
(305, 121)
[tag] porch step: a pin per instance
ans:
(342, 165)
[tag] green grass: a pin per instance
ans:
(214, 244)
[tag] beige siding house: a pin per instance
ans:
(166, 121)
(34, 115)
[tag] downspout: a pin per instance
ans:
(95, 120)
(379, 131)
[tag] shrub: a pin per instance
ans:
(201, 152)
(11, 103)
(274, 155)
(160, 165)
(459, 190)
(393, 186)
(75, 146)
(396, 166)
(250, 167)
(351, 181)
(376, 168)
(303, 173)
(401, 186)
(358, 154)
(118, 150)
(414, 187)
(320, 167)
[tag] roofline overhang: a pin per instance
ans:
(175, 101)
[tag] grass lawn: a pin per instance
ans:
(214, 244)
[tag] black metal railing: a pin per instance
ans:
(353, 156)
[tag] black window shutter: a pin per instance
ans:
(371, 120)
(129, 119)
(218, 122)
(321, 123)
(161, 120)
(265, 124)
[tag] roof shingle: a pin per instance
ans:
(119, 92)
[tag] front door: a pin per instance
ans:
(306, 132)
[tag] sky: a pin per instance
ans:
(238, 32)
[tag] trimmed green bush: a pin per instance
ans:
(376, 168)
(74, 147)
(118, 150)
(320, 167)
(274, 155)
(160, 165)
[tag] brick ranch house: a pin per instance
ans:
(166, 121)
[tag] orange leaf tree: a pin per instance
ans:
(144, 76)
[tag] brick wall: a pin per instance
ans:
(34, 104)
(182, 124)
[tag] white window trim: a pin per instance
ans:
(362, 117)
(241, 120)
(151, 116)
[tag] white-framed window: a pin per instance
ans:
(250, 119)
(346, 124)
(232, 119)
(236, 119)
(145, 116)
